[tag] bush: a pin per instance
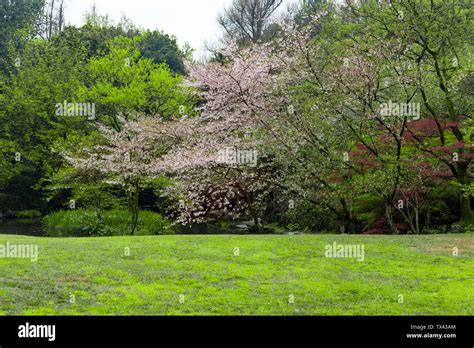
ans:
(72, 223)
(82, 222)
(369, 210)
(441, 206)
(469, 228)
(28, 214)
(306, 217)
(150, 223)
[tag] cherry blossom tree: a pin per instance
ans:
(330, 116)
(128, 157)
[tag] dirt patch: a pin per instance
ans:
(447, 245)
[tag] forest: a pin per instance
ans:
(319, 117)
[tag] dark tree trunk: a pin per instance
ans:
(134, 195)
(464, 201)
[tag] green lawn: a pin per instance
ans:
(263, 279)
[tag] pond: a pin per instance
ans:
(34, 228)
(27, 228)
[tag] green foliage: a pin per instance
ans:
(382, 161)
(441, 205)
(162, 48)
(88, 189)
(99, 31)
(129, 73)
(368, 208)
(28, 214)
(122, 83)
(81, 222)
(18, 19)
(72, 223)
(309, 218)
(469, 228)
(48, 74)
(7, 162)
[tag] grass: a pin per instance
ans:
(204, 273)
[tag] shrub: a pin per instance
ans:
(28, 214)
(74, 223)
(306, 217)
(469, 228)
(150, 223)
(369, 210)
(441, 206)
(82, 222)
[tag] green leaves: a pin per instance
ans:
(123, 82)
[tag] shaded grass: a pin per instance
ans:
(269, 271)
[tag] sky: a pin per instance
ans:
(192, 21)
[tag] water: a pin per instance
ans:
(30, 228)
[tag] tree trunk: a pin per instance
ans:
(466, 209)
(134, 195)
(253, 213)
(388, 215)
(417, 220)
(464, 201)
(50, 26)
